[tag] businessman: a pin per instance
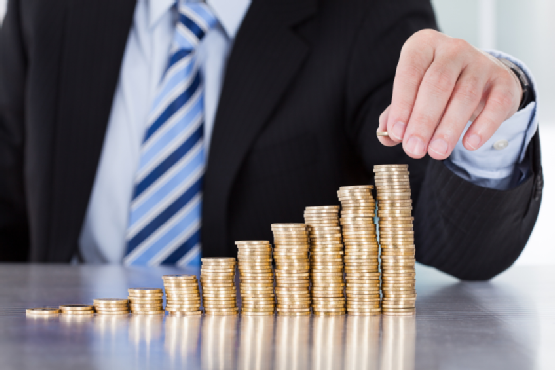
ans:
(150, 132)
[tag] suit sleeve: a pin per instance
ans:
(14, 235)
(462, 229)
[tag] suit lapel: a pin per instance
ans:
(95, 38)
(265, 58)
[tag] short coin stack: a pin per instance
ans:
(111, 306)
(77, 309)
(326, 260)
(219, 294)
(257, 278)
(361, 250)
(396, 239)
(182, 295)
(146, 301)
(43, 312)
(291, 248)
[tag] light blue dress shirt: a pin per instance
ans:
(102, 237)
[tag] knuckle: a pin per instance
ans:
(422, 120)
(502, 100)
(426, 34)
(441, 81)
(469, 91)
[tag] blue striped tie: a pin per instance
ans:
(165, 217)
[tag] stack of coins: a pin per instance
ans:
(257, 278)
(291, 246)
(43, 312)
(111, 306)
(77, 309)
(326, 260)
(396, 239)
(361, 250)
(146, 301)
(182, 295)
(219, 294)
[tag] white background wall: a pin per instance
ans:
(2, 9)
(525, 29)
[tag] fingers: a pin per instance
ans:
(383, 127)
(502, 102)
(465, 101)
(416, 56)
(434, 94)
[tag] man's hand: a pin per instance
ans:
(441, 83)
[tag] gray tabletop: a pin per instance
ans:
(508, 323)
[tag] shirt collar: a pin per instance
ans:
(230, 13)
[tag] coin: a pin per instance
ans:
(75, 307)
(42, 311)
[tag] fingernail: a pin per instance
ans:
(415, 146)
(398, 130)
(439, 146)
(473, 141)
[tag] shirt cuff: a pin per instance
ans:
(498, 164)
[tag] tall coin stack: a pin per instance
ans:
(361, 250)
(182, 295)
(396, 239)
(291, 247)
(326, 260)
(146, 301)
(257, 278)
(111, 306)
(219, 294)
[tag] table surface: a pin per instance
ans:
(508, 323)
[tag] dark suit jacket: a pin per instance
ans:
(305, 83)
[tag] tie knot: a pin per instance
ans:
(195, 20)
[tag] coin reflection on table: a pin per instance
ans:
(362, 342)
(327, 337)
(218, 340)
(292, 342)
(257, 335)
(110, 325)
(182, 340)
(145, 329)
(398, 344)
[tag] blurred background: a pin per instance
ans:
(526, 30)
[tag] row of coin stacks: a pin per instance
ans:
(343, 261)
(396, 239)
(326, 260)
(257, 278)
(219, 294)
(292, 269)
(361, 250)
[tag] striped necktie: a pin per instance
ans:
(165, 217)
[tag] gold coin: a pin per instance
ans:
(87, 312)
(217, 260)
(179, 277)
(113, 313)
(144, 291)
(76, 307)
(288, 226)
(43, 311)
(182, 314)
(110, 301)
(252, 242)
(221, 313)
(234, 309)
(111, 308)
